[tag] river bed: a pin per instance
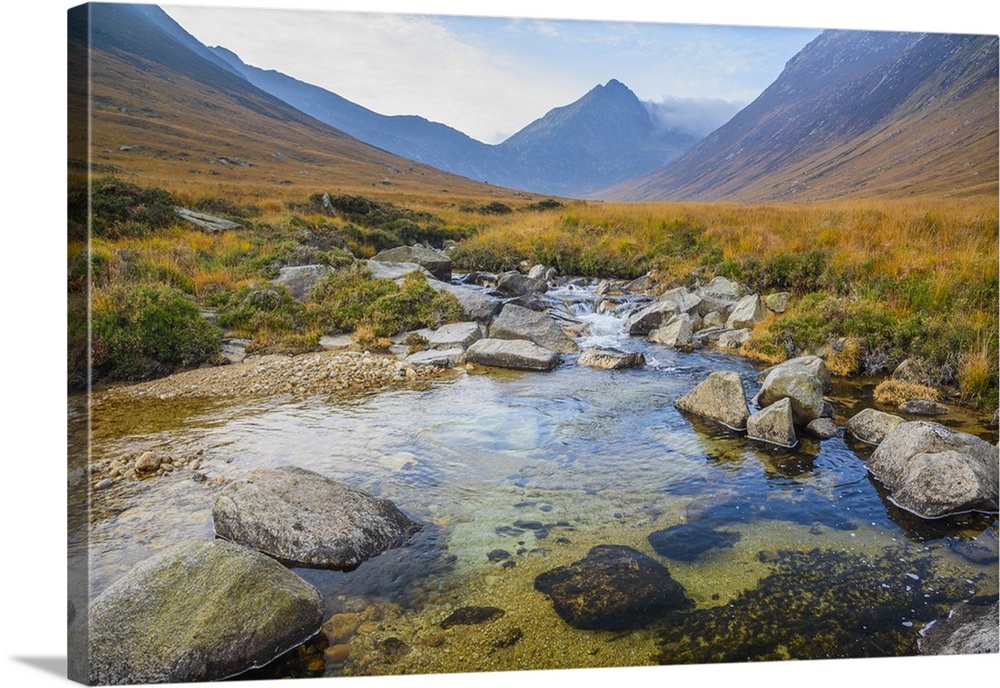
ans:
(541, 467)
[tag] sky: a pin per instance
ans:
(491, 76)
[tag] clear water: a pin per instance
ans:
(544, 466)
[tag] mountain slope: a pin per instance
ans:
(170, 112)
(606, 136)
(854, 113)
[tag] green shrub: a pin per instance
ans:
(148, 330)
(121, 209)
(257, 308)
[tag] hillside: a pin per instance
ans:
(855, 113)
(166, 112)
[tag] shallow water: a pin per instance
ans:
(544, 466)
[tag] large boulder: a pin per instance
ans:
(198, 611)
(801, 380)
(813, 365)
(435, 263)
(773, 424)
(720, 397)
(610, 359)
(395, 271)
(871, 426)
(300, 279)
(748, 311)
(515, 322)
(521, 285)
(677, 332)
(650, 317)
(476, 304)
(969, 629)
(613, 588)
(306, 519)
(933, 471)
(682, 300)
(519, 354)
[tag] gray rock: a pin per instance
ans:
(921, 372)
(199, 611)
(722, 288)
(336, 341)
(437, 264)
(813, 365)
(537, 272)
(933, 471)
(713, 319)
(872, 426)
(394, 271)
(456, 335)
(613, 588)
(969, 629)
(733, 339)
(519, 354)
(476, 304)
(300, 279)
(720, 397)
(683, 300)
(521, 285)
(773, 424)
(801, 380)
(823, 428)
(778, 302)
(306, 519)
(923, 407)
(641, 284)
(515, 322)
(995, 421)
(209, 223)
(234, 348)
(436, 358)
(650, 317)
(748, 311)
(611, 359)
(676, 332)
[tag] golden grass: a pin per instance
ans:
(895, 392)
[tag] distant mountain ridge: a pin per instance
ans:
(606, 136)
(853, 113)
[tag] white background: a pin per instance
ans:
(33, 333)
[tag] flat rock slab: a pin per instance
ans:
(610, 359)
(209, 223)
(199, 611)
(613, 588)
(933, 471)
(518, 354)
(459, 335)
(688, 541)
(436, 358)
(305, 519)
(436, 263)
(719, 397)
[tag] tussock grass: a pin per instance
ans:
(895, 392)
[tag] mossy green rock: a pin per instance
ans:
(199, 611)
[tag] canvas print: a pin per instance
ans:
(424, 344)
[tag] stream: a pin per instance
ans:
(515, 473)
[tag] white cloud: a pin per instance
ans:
(698, 116)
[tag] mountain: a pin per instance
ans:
(607, 132)
(162, 107)
(854, 113)
(606, 136)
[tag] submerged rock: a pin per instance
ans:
(611, 359)
(933, 471)
(613, 588)
(923, 407)
(773, 424)
(519, 354)
(199, 611)
(823, 428)
(470, 616)
(720, 397)
(306, 519)
(688, 541)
